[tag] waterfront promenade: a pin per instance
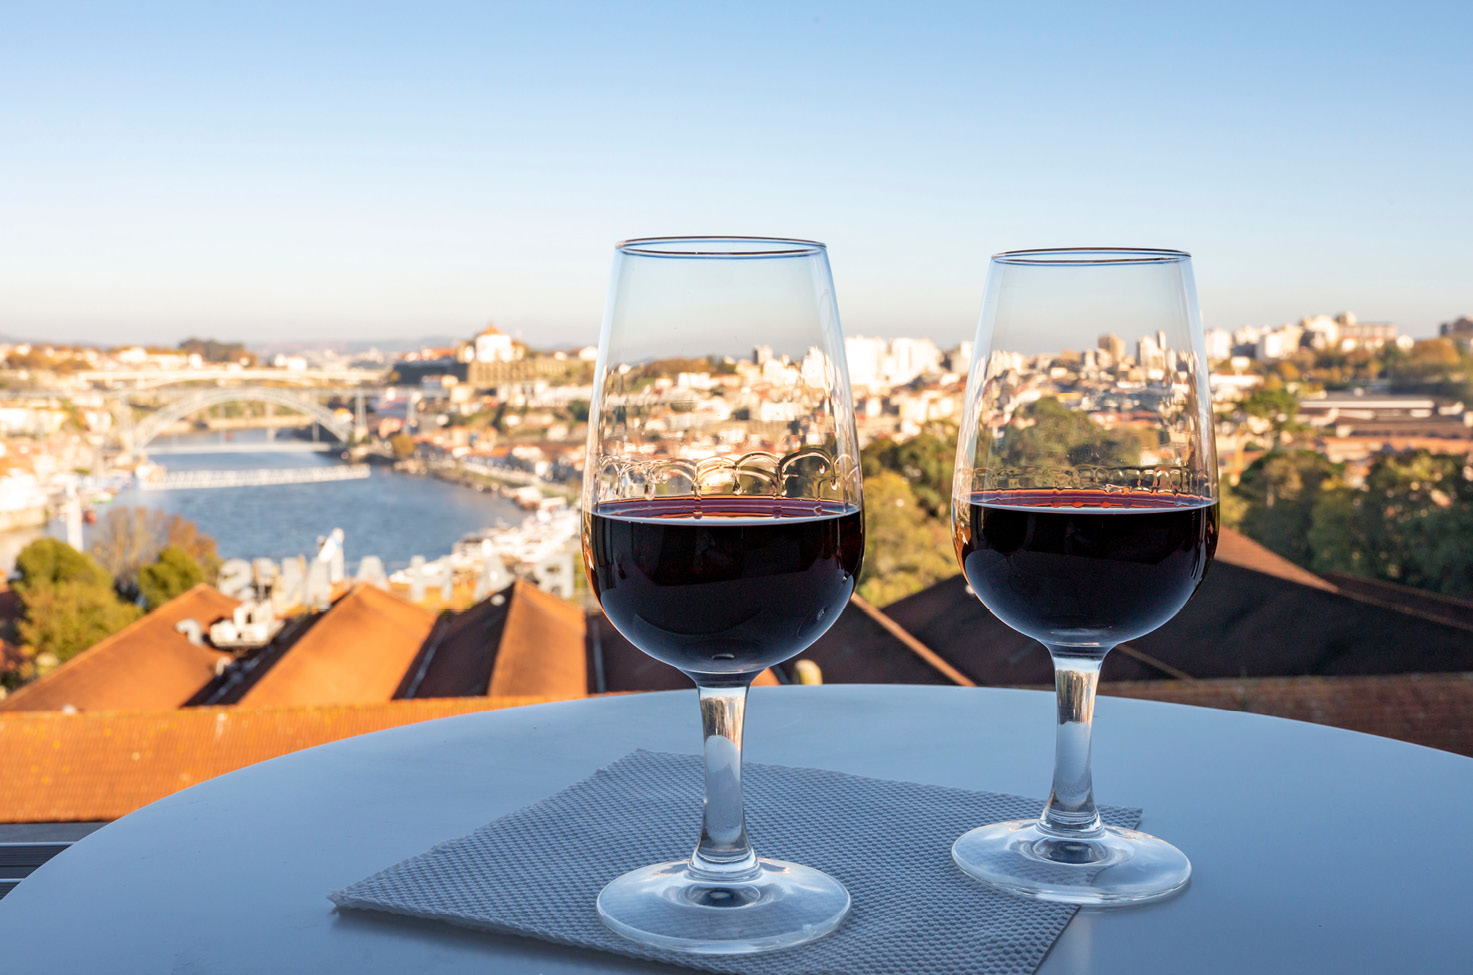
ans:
(189, 480)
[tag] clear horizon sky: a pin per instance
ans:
(275, 171)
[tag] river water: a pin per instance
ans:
(394, 516)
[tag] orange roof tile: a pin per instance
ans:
(1425, 709)
(357, 653)
(100, 765)
(457, 658)
(894, 629)
(542, 649)
(1238, 549)
(146, 664)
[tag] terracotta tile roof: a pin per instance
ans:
(144, 665)
(1426, 709)
(616, 665)
(865, 646)
(1434, 605)
(766, 679)
(99, 765)
(541, 649)
(1241, 623)
(357, 653)
(458, 655)
(953, 623)
(1235, 548)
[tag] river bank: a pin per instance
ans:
(524, 490)
(389, 514)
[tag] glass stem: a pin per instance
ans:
(1071, 805)
(723, 854)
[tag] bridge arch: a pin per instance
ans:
(163, 418)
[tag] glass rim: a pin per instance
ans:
(729, 246)
(1085, 256)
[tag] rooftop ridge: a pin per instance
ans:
(1235, 548)
(359, 649)
(1462, 618)
(915, 646)
(163, 618)
(542, 644)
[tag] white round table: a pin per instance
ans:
(1315, 850)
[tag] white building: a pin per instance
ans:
(961, 357)
(1278, 343)
(1323, 331)
(910, 358)
(866, 357)
(494, 345)
(1148, 354)
(1219, 344)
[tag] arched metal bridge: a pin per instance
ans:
(340, 428)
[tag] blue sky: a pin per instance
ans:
(291, 170)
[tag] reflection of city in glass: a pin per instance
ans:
(1127, 414)
(1133, 407)
(719, 425)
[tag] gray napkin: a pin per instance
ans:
(537, 871)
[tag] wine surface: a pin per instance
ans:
(1084, 569)
(723, 585)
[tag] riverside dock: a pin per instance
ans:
(190, 480)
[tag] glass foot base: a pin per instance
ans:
(1118, 866)
(783, 905)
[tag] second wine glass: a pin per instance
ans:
(723, 531)
(1085, 515)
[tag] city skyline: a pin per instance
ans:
(342, 173)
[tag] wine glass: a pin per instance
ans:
(1084, 515)
(722, 534)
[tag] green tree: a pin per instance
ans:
(1279, 492)
(906, 549)
(49, 562)
(1336, 538)
(174, 572)
(1052, 435)
(1416, 518)
(66, 618)
(213, 351)
(1278, 407)
(925, 460)
(1444, 562)
(1411, 522)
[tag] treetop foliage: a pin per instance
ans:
(66, 618)
(1060, 437)
(126, 539)
(68, 600)
(906, 547)
(213, 351)
(173, 573)
(925, 460)
(1407, 523)
(49, 562)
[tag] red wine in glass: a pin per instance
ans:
(1085, 568)
(722, 541)
(1084, 515)
(724, 585)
